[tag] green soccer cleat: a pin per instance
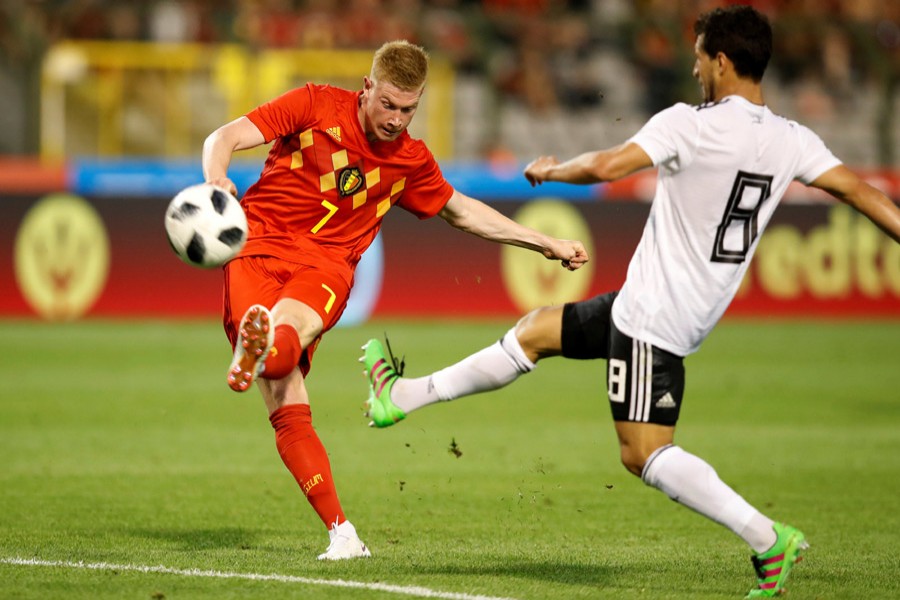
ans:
(774, 566)
(382, 372)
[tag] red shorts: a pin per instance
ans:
(266, 280)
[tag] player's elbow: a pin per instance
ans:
(607, 167)
(619, 162)
(456, 219)
(605, 173)
(459, 212)
(240, 134)
(216, 143)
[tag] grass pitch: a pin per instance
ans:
(122, 449)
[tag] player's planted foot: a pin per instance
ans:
(344, 543)
(382, 374)
(253, 345)
(773, 566)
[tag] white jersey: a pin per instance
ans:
(723, 168)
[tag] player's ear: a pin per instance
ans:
(722, 62)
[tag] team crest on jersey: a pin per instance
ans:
(350, 181)
(334, 132)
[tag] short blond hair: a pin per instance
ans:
(402, 64)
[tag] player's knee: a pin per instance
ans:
(525, 332)
(639, 441)
(633, 460)
(635, 452)
(539, 332)
(306, 323)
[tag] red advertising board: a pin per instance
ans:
(62, 256)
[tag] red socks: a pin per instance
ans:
(297, 442)
(305, 457)
(285, 353)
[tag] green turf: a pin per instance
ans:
(121, 444)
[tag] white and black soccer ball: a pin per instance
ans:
(206, 225)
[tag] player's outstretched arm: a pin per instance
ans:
(849, 188)
(591, 167)
(218, 147)
(475, 217)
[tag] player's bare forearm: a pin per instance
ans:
(216, 156)
(847, 187)
(477, 218)
(578, 170)
(882, 211)
(590, 167)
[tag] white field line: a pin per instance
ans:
(420, 592)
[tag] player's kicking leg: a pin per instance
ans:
(575, 330)
(255, 339)
(391, 396)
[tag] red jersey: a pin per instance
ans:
(325, 188)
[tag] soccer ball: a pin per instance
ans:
(206, 225)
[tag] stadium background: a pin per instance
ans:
(106, 104)
(128, 469)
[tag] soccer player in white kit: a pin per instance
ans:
(723, 166)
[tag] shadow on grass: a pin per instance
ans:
(652, 577)
(585, 574)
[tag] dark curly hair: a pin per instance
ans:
(742, 34)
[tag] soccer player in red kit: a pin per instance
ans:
(340, 160)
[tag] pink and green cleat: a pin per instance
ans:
(774, 566)
(382, 371)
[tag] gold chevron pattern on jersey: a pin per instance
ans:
(385, 204)
(328, 181)
(306, 140)
(340, 160)
(373, 178)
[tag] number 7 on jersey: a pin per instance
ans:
(331, 208)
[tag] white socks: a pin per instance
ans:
(489, 369)
(683, 477)
(690, 481)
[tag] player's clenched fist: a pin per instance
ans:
(570, 253)
(536, 170)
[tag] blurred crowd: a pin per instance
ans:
(543, 55)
